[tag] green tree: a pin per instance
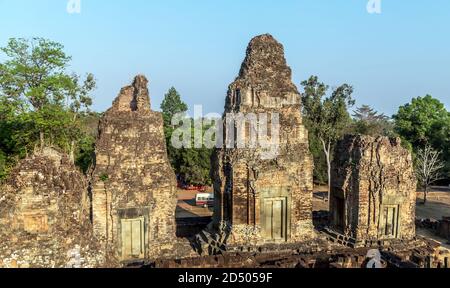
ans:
(84, 154)
(320, 163)
(425, 121)
(3, 160)
(11, 144)
(367, 121)
(326, 117)
(172, 105)
(40, 102)
(34, 79)
(195, 166)
(191, 164)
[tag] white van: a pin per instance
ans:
(204, 199)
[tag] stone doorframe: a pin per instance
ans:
(269, 193)
(396, 222)
(131, 214)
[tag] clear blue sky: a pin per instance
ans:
(198, 45)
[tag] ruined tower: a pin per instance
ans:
(373, 191)
(133, 185)
(44, 215)
(264, 192)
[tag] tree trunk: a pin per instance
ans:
(41, 139)
(329, 174)
(72, 152)
(327, 151)
(72, 143)
(425, 194)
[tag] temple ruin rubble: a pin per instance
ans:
(44, 215)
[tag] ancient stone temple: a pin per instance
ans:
(264, 192)
(133, 186)
(373, 193)
(44, 215)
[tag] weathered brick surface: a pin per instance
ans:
(371, 178)
(44, 215)
(132, 177)
(243, 178)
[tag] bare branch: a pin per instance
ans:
(429, 166)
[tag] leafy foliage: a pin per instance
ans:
(172, 105)
(84, 154)
(40, 102)
(320, 161)
(367, 121)
(425, 121)
(3, 167)
(192, 165)
(325, 117)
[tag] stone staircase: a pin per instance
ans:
(341, 239)
(210, 242)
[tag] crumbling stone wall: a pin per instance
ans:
(373, 193)
(245, 179)
(420, 253)
(133, 186)
(44, 215)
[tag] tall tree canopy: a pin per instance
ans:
(326, 117)
(192, 165)
(172, 105)
(367, 121)
(40, 102)
(425, 121)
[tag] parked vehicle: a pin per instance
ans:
(204, 199)
(183, 186)
(196, 188)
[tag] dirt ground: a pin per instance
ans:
(320, 198)
(438, 204)
(186, 205)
